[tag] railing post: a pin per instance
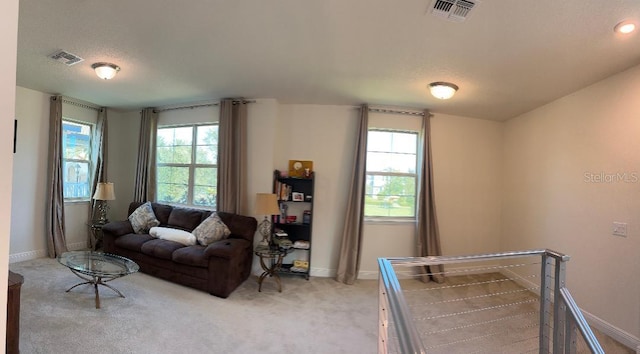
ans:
(383, 318)
(571, 340)
(559, 308)
(545, 303)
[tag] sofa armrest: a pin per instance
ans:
(227, 249)
(118, 228)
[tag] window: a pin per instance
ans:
(391, 174)
(187, 165)
(76, 160)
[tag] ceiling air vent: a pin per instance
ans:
(454, 10)
(66, 57)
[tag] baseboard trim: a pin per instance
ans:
(322, 272)
(605, 327)
(26, 256)
(30, 255)
(77, 246)
(612, 331)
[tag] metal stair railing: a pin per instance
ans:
(559, 321)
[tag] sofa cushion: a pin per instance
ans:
(166, 233)
(143, 218)
(191, 256)
(212, 229)
(162, 212)
(160, 248)
(185, 218)
(132, 242)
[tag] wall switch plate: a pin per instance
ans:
(620, 229)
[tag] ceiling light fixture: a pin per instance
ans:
(442, 90)
(105, 71)
(625, 27)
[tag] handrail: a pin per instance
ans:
(409, 340)
(434, 260)
(408, 336)
(584, 328)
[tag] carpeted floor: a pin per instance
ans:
(315, 316)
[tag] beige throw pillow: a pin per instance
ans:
(212, 229)
(143, 219)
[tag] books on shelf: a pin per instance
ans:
(283, 191)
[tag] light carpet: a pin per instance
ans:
(315, 316)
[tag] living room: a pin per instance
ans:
(555, 177)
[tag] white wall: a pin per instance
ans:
(9, 45)
(324, 135)
(122, 148)
(467, 165)
(28, 215)
(553, 158)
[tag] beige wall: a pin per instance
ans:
(324, 135)
(553, 158)
(467, 159)
(30, 175)
(8, 43)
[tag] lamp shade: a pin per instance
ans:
(105, 71)
(442, 90)
(267, 204)
(104, 191)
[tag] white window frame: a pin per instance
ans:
(393, 219)
(192, 166)
(89, 162)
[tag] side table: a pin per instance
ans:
(13, 312)
(96, 233)
(275, 257)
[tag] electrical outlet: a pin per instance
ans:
(620, 229)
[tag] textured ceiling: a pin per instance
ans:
(507, 58)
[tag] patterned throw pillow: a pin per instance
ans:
(143, 218)
(212, 229)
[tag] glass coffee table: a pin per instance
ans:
(97, 268)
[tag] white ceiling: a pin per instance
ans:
(508, 57)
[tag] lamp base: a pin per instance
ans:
(102, 212)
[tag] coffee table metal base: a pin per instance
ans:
(95, 281)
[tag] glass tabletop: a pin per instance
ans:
(98, 263)
(271, 252)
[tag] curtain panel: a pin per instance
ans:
(99, 160)
(351, 245)
(428, 240)
(56, 240)
(145, 182)
(232, 157)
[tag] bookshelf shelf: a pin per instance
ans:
(295, 199)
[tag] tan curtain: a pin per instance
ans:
(428, 240)
(56, 240)
(145, 183)
(232, 157)
(351, 246)
(99, 160)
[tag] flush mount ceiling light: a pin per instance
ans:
(105, 71)
(625, 27)
(442, 90)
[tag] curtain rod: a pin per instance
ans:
(81, 105)
(200, 105)
(411, 113)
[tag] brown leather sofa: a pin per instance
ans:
(218, 268)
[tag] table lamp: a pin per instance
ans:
(267, 205)
(104, 192)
